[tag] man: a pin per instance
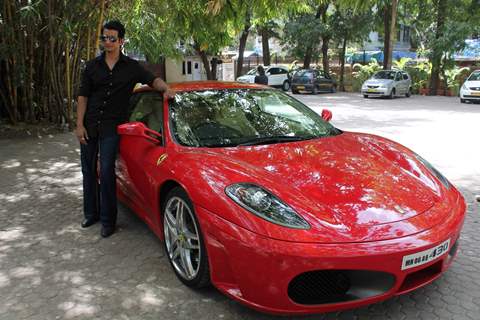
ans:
(261, 78)
(107, 84)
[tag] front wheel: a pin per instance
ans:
(286, 85)
(365, 96)
(334, 89)
(314, 90)
(462, 100)
(184, 244)
(392, 94)
(409, 93)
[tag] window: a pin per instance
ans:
(273, 71)
(189, 67)
(282, 71)
(406, 34)
(148, 108)
(183, 67)
(398, 76)
(405, 76)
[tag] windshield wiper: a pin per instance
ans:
(274, 139)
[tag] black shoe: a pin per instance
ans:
(88, 222)
(107, 232)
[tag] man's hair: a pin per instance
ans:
(115, 25)
(261, 70)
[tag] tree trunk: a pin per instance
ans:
(387, 11)
(393, 24)
(99, 26)
(204, 57)
(309, 52)
(265, 46)
(243, 43)
(342, 64)
(437, 53)
(325, 41)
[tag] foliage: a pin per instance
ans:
(420, 74)
(362, 72)
(452, 78)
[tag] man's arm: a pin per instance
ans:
(81, 132)
(160, 85)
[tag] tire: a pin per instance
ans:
(334, 89)
(365, 96)
(286, 85)
(463, 100)
(409, 93)
(187, 254)
(314, 90)
(295, 91)
(392, 94)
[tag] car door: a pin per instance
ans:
(399, 84)
(406, 81)
(323, 82)
(274, 77)
(138, 157)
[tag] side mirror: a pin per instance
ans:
(139, 129)
(326, 115)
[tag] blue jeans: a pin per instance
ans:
(100, 200)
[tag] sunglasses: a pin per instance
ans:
(109, 38)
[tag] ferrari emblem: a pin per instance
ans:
(161, 159)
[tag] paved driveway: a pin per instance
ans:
(50, 268)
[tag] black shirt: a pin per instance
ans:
(109, 91)
(262, 79)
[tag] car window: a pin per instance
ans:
(282, 71)
(273, 71)
(405, 76)
(321, 74)
(148, 108)
(398, 76)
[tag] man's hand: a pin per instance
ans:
(170, 93)
(81, 134)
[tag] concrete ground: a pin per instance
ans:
(50, 268)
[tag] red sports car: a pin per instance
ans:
(260, 196)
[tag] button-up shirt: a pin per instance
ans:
(109, 91)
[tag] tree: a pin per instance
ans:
(350, 26)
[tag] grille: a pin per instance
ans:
(317, 287)
(373, 87)
(475, 88)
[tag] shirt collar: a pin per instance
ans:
(122, 57)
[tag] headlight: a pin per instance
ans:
(265, 205)
(434, 171)
(464, 87)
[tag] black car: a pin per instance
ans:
(313, 80)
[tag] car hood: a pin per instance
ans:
(351, 187)
(246, 78)
(376, 82)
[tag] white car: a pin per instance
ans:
(470, 90)
(388, 83)
(277, 77)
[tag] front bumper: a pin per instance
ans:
(258, 271)
(376, 91)
(302, 87)
(470, 95)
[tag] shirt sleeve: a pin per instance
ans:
(144, 76)
(86, 82)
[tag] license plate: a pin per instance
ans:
(372, 90)
(419, 258)
(300, 87)
(476, 93)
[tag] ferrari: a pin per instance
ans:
(256, 194)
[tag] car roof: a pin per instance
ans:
(204, 85)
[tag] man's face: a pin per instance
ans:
(110, 40)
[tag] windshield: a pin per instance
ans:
(252, 72)
(232, 117)
(390, 75)
(304, 73)
(474, 76)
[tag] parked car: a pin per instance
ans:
(278, 77)
(388, 83)
(257, 194)
(313, 80)
(470, 90)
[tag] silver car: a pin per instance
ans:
(470, 90)
(388, 83)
